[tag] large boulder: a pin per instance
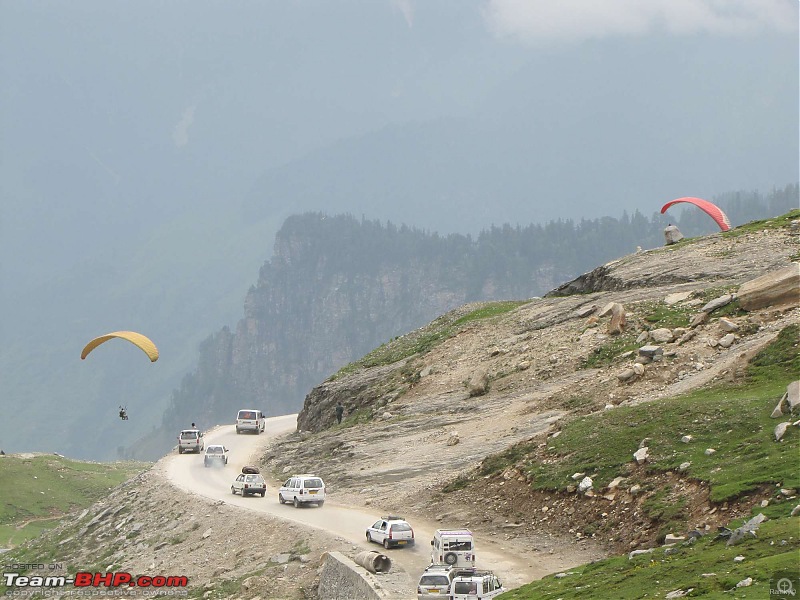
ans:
(773, 289)
(672, 234)
(478, 384)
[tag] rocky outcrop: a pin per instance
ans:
(709, 259)
(781, 287)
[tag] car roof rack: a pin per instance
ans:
(393, 518)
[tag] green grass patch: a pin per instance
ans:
(497, 463)
(754, 226)
(780, 358)
(774, 552)
(225, 588)
(492, 309)
(733, 420)
(425, 339)
(357, 417)
(301, 547)
(37, 491)
(459, 483)
(668, 509)
(664, 315)
(607, 354)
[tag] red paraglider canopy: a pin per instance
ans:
(711, 209)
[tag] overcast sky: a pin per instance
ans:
(138, 137)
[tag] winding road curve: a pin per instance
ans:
(187, 472)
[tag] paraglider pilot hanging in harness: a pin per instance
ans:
(123, 413)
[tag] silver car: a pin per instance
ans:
(190, 440)
(436, 579)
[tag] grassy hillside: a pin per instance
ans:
(38, 491)
(748, 465)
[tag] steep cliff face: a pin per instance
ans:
(335, 288)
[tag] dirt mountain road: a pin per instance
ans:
(186, 472)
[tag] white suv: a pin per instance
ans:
(303, 489)
(190, 440)
(455, 547)
(250, 419)
(469, 584)
(391, 531)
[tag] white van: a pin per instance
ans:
(454, 547)
(470, 584)
(250, 419)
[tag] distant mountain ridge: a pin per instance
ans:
(337, 287)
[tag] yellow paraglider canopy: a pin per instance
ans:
(142, 341)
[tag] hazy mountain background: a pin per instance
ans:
(151, 151)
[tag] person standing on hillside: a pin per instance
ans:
(339, 411)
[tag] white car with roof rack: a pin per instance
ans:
(475, 584)
(249, 482)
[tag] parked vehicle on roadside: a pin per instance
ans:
(436, 579)
(216, 454)
(472, 584)
(391, 531)
(303, 489)
(454, 547)
(190, 440)
(249, 484)
(250, 419)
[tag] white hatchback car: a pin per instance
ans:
(391, 531)
(303, 489)
(249, 484)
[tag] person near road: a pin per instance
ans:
(339, 411)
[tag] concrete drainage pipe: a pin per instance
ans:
(374, 562)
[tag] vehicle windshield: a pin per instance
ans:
(459, 546)
(247, 414)
(253, 478)
(214, 450)
(188, 435)
(465, 587)
(312, 483)
(434, 580)
(401, 527)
